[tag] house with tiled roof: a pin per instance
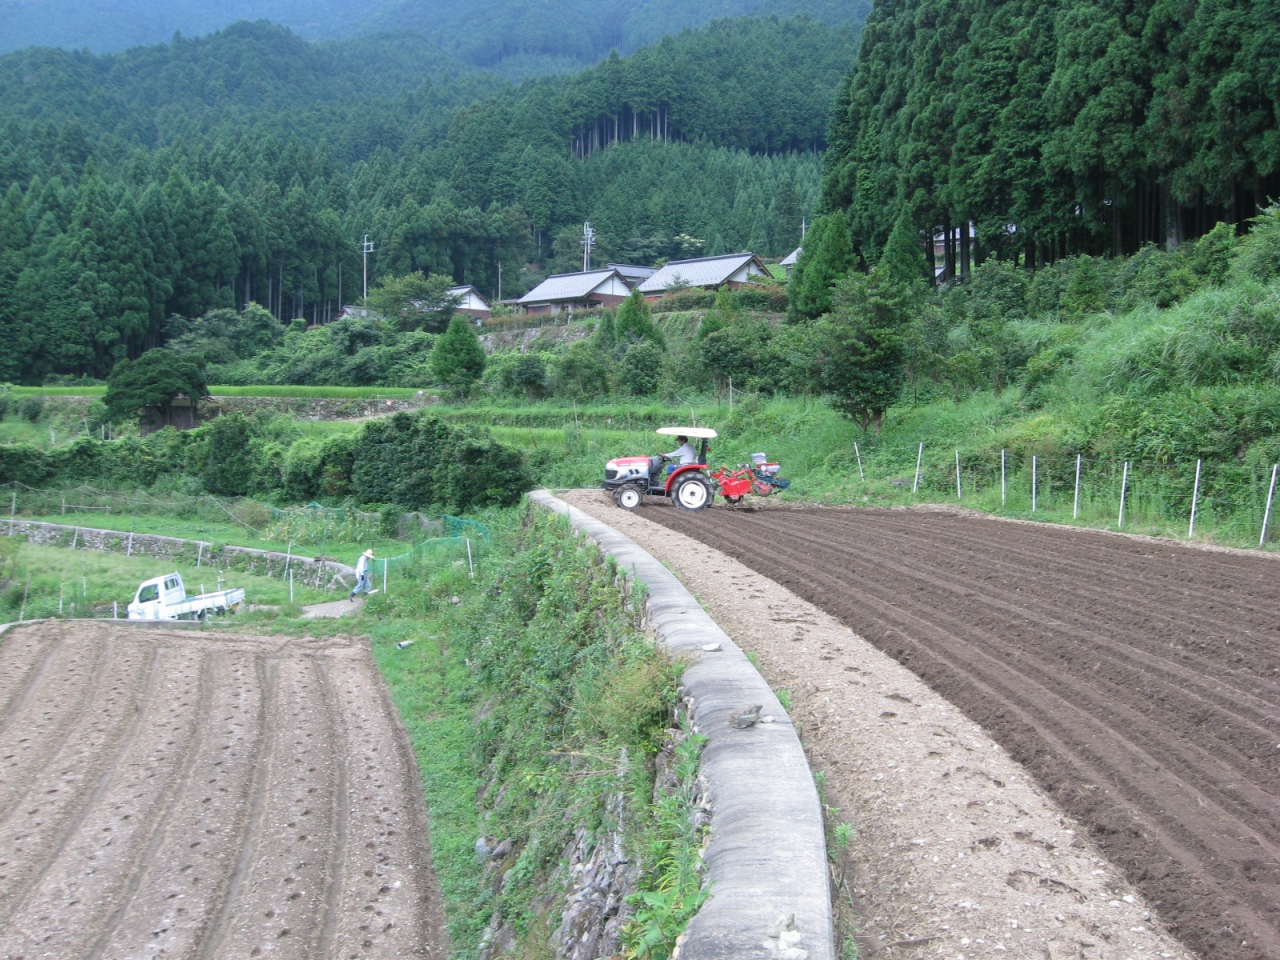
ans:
(788, 263)
(633, 273)
(567, 292)
(706, 273)
(470, 302)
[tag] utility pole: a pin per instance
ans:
(588, 241)
(368, 249)
(499, 281)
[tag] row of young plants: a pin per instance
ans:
(537, 706)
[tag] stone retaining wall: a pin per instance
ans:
(766, 860)
(310, 571)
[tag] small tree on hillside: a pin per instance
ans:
(155, 379)
(863, 346)
(458, 358)
(634, 323)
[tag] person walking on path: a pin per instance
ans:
(363, 583)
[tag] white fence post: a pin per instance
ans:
(1034, 484)
(1075, 510)
(958, 496)
(1195, 496)
(858, 453)
(919, 454)
(471, 570)
(1002, 477)
(1124, 486)
(1267, 514)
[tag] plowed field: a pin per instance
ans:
(1137, 681)
(165, 793)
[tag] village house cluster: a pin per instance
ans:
(607, 287)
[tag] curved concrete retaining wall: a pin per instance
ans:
(313, 571)
(766, 860)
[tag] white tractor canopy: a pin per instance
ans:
(693, 433)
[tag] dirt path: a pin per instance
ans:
(1137, 683)
(205, 795)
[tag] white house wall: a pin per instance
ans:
(613, 286)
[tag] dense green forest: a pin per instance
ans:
(514, 38)
(243, 167)
(1057, 128)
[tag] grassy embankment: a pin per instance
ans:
(535, 706)
(57, 582)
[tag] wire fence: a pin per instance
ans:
(448, 539)
(1235, 500)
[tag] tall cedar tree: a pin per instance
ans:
(827, 256)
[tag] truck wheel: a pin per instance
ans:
(692, 492)
(628, 497)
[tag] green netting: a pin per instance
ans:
(429, 553)
(459, 527)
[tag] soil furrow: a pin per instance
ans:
(340, 815)
(266, 675)
(1108, 579)
(1247, 725)
(69, 903)
(65, 791)
(47, 720)
(1148, 669)
(282, 897)
(174, 892)
(1140, 746)
(26, 656)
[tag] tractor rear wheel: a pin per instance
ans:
(692, 492)
(628, 497)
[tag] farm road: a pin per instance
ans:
(1138, 682)
(194, 794)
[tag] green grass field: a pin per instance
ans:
(55, 581)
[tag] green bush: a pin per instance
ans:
(31, 408)
(689, 299)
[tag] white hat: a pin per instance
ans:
(369, 554)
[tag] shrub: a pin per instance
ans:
(681, 300)
(31, 408)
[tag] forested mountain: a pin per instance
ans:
(513, 37)
(249, 165)
(1058, 126)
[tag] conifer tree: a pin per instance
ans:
(458, 359)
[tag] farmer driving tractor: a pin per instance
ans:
(681, 455)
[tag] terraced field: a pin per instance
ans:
(190, 794)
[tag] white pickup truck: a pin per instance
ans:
(165, 598)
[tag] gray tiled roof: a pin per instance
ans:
(704, 272)
(790, 259)
(633, 273)
(567, 286)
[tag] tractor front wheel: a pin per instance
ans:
(692, 492)
(628, 497)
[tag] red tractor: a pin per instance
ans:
(680, 475)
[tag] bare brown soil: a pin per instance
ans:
(202, 795)
(1137, 682)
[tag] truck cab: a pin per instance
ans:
(155, 596)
